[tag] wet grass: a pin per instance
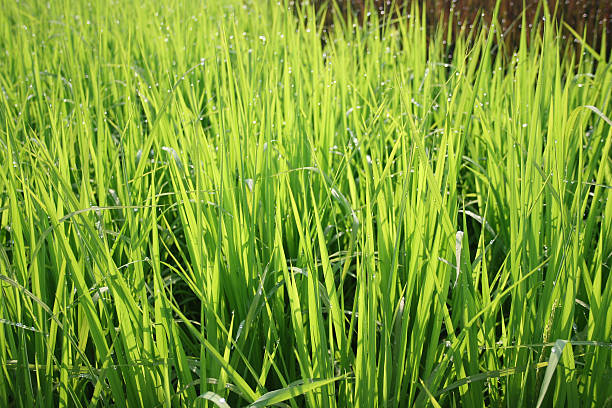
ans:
(201, 204)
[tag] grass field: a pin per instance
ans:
(204, 204)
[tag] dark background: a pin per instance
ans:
(595, 15)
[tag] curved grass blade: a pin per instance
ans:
(292, 390)
(555, 356)
(215, 398)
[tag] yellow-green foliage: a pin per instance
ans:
(202, 203)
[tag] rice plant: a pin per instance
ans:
(221, 204)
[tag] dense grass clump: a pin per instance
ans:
(202, 203)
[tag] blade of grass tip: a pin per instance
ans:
(432, 399)
(292, 390)
(595, 54)
(215, 398)
(599, 113)
(555, 356)
(458, 241)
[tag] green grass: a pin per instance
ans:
(203, 204)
